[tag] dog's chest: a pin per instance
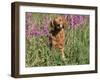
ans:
(60, 36)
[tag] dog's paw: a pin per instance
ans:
(63, 57)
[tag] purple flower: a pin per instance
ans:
(75, 20)
(28, 14)
(35, 31)
(45, 31)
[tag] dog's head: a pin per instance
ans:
(58, 23)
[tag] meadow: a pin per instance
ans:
(38, 52)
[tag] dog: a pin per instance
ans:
(57, 34)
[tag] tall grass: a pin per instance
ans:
(76, 47)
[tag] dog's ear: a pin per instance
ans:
(65, 23)
(52, 24)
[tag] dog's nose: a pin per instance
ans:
(61, 26)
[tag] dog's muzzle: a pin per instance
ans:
(59, 26)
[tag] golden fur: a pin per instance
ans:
(57, 34)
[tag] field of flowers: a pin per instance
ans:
(76, 46)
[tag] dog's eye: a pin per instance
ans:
(60, 20)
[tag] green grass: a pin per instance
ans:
(76, 49)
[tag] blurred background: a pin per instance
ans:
(76, 47)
